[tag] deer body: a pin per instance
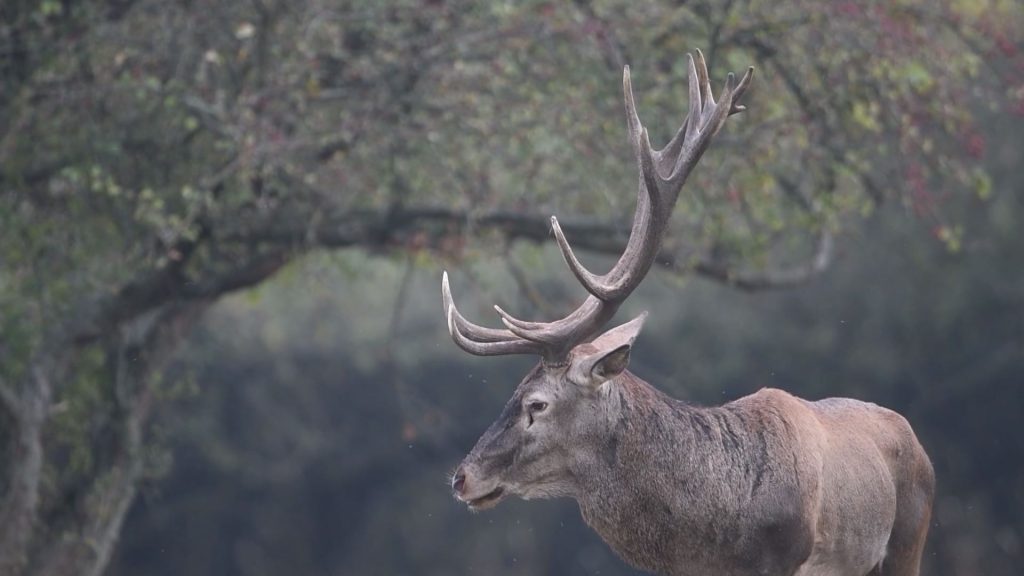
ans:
(767, 485)
(757, 486)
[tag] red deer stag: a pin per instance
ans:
(769, 484)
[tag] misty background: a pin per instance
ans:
(223, 226)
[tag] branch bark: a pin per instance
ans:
(20, 504)
(431, 226)
(9, 400)
(152, 314)
(772, 279)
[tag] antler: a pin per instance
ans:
(662, 174)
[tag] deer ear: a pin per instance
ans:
(611, 364)
(608, 354)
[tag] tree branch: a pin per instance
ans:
(252, 271)
(783, 278)
(527, 289)
(431, 226)
(20, 505)
(169, 284)
(812, 108)
(9, 399)
(610, 44)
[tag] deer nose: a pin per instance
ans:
(459, 481)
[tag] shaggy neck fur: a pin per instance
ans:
(674, 488)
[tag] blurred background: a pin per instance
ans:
(223, 225)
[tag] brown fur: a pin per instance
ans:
(769, 484)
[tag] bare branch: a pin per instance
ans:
(526, 288)
(9, 399)
(248, 273)
(168, 284)
(19, 507)
(397, 309)
(397, 228)
(211, 117)
(783, 278)
(610, 44)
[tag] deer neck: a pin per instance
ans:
(661, 474)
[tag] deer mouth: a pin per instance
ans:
(488, 500)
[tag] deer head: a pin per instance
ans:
(554, 421)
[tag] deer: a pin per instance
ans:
(767, 484)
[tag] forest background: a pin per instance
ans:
(223, 225)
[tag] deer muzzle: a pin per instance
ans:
(478, 494)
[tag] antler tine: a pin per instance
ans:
(698, 135)
(467, 328)
(611, 286)
(699, 93)
(708, 106)
(589, 280)
(559, 336)
(618, 282)
(740, 90)
(700, 66)
(477, 339)
(518, 346)
(632, 118)
(701, 100)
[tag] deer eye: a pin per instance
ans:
(532, 408)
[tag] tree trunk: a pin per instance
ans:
(21, 503)
(85, 542)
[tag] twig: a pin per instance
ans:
(10, 400)
(783, 278)
(527, 288)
